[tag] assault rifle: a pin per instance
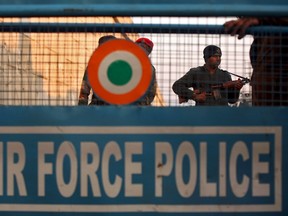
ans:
(216, 94)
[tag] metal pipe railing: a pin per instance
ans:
(133, 28)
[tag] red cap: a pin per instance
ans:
(147, 41)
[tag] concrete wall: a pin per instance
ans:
(47, 68)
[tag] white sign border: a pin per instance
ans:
(276, 130)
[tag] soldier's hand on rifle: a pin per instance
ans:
(238, 84)
(199, 96)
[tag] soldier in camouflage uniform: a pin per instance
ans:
(85, 86)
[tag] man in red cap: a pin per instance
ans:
(147, 45)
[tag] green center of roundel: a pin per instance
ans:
(119, 72)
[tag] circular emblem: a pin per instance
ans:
(119, 72)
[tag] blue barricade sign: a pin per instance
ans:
(143, 161)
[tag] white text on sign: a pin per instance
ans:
(103, 163)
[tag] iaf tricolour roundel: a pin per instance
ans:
(119, 72)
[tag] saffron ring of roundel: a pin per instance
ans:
(111, 62)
